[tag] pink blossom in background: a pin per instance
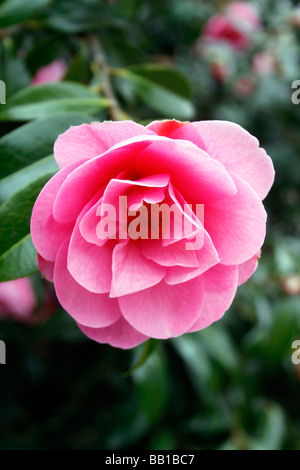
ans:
(17, 299)
(18, 302)
(53, 72)
(244, 13)
(234, 27)
(123, 291)
(263, 63)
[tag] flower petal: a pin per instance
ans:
(174, 254)
(177, 130)
(164, 311)
(239, 152)
(220, 283)
(90, 264)
(132, 272)
(198, 177)
(247, 269)
(90, 140)
(46, 268)
(237, 226)
(207, 257)
(47, 234)
(119, 335)
(86, 181)
(87, 308)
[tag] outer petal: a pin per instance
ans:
(177, 130)
(47, 234)
(86, 181)
(90, 140)
(46, 268)
(220, 283)
(132, 272)
(239, 152)
(247, 269)
(164, 311)
(119, 335)
(237, 227)
(89, 264)
(94, 310)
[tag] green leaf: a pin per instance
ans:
(168, 77)
(34, 141)
(79, 68)
(77, 16)
(16, 11)
(152, 383)
(44, 51)
(15, 213)
(16, 181)
(148, 349)
(19, 261)
(219, 345)
(198, 365)
(51, 99)
(13, 70)
(162, 90)
(271, 431)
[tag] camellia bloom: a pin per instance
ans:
(17, 299)
(53, 72)
(234, 27)
(123, 289)
(18, 302)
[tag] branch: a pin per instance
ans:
(115, 110)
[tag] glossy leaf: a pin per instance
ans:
(151, 380)
(16, 181)
(16, 211)
(19, 261)
(34, 141)
(52, 99)
(153, 90)
(16, 11)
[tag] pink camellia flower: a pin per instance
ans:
(17, 300)
(121, 288)
(53, 72)
(244, 13)
(234, 27)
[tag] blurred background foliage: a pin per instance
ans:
(231, 386)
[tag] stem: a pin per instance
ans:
(115, 110)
